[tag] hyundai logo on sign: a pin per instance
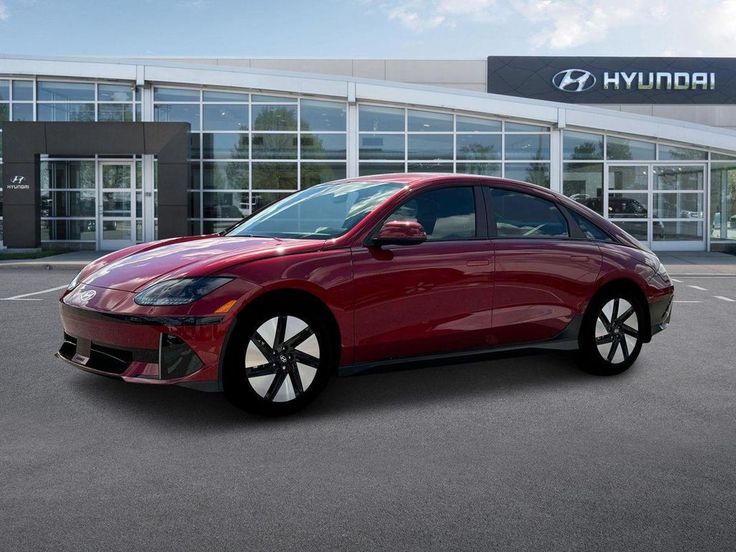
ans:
(574, 80)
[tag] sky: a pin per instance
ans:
(448, 29)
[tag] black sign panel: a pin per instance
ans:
(622, 80)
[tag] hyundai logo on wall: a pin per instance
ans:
(574, 80)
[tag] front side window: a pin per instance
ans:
(447, 214)
(320, 212)
(519, 215)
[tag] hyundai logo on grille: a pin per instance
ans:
(574, 80)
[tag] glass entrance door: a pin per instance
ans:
(661, 205)
(116, 213)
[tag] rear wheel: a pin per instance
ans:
(278, 361)
(610, 339)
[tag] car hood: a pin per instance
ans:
(198, 256)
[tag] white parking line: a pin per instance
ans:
(687, 301)
(697, 287)
(722, 298)
(22, 297)
(676, 280)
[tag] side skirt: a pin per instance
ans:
(567, 340)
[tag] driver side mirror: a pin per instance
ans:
(396, 232)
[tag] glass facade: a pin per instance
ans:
(250, 148)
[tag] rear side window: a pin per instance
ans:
(446, 214)
(591, 231)
(519, 215)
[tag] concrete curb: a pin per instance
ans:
(65, 265)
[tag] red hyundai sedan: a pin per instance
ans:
(358, 273)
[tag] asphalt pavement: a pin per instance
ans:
(524, 453)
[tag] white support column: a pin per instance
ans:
(148, 169)
(352, 129)
(555, 155)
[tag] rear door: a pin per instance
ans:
(545, 268)
(433, 297)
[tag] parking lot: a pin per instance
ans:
(523, 453)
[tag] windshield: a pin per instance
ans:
(321, 212)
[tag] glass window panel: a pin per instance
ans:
(163, 94)
(274, 117)
(195, 173)
(22, 90)
(222, 96)
(138, 115)
(323, 146)
(519, 215)
(677, 231)
(224, 146)
(381, 146)
(66, 112)
(672, 153)
(623, 149)
(380, 119)
(114, 93)
(274, 176)
(318, 116)
(679, 178)
(367, 169)
(179, 113)
(67, 174)
(68, 230)
(225, 175)
(116, 204)
(677, 205)
(115, 112)
(478, 146)
(65, 91)
(4, 112)
(628, 178)
(274, 99)
(215, 226)
(68, 204)
(583, 182)
(4, 90)
(535, 173)
(116, 230)
(476, 124)
(582, 145)
(486, 169)
(116, 176)
(527, 146)
(446, 215)
(723, 201)
(722, 157)
(274, 146)
(591, 231)
(430, 146)
(627, 205)
(194, 146)
(430, 167)
(225, 205)
(521, 127)
(637, 229)
(22, 111)
(225, 117)
(138, 204)
(426, 121)
(262, 199)
(316, 173)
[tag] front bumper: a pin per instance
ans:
(660, 312)
(144, 349)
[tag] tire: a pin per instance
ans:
(610, 338)
(278, 360)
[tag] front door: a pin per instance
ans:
(116, 212)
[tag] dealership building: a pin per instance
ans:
(104, 153)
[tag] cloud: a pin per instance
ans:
(4, 12)
(673, 27)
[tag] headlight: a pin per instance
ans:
(73, 283)
(180, 291)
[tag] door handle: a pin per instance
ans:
(579, 258)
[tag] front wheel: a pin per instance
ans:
(610, 339)
(278, 361)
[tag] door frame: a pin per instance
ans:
(109, 245)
